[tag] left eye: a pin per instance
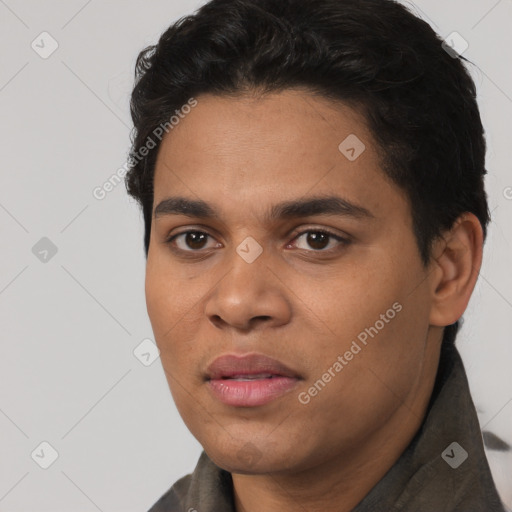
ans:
(318, 240)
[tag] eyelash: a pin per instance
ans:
(342, 241)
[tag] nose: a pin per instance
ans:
(249, 296)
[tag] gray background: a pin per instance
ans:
(71, 322)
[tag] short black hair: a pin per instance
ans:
(418, 99)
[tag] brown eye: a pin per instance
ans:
(319, 240)
(189, 241)
(195, 239)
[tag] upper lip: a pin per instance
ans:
(230, 365)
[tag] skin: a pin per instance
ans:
(301, 302)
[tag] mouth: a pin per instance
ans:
(249, 381)
(244, 378)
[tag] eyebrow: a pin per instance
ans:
(329, 205)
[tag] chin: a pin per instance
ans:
(248, 458)
(233, 464)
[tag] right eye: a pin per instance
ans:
(189, 241)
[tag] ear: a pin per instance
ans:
(457, 258)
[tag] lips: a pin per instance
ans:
(250, 366)
(249, 381)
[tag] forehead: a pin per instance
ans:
(248, 150)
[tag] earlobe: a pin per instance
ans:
(457, 261)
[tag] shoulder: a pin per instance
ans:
(174, 499)
(208, 489)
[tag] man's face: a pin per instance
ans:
(357, 296)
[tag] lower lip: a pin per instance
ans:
(250, 393)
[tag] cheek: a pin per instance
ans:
(168, 294)
(170, 316)
(160, 299)
(369, 385)
(378, 326)
(174, 309)
(352, 301)
(167, 310)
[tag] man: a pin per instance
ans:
(311, 176)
